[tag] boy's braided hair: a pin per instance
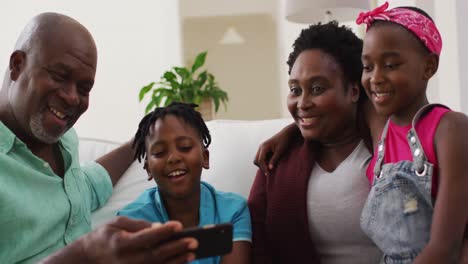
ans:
(184, 111)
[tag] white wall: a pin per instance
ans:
(137, 42)
(462, 21)
(248, 71)
(287, 34)
(207, 8)
(448, 73)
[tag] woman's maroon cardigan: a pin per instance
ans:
(278, 207)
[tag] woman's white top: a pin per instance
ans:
(334, 204)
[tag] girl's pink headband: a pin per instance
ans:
(417, 23)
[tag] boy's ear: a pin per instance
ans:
(150, 177)
(431, 66)
(145, 166)
(17, 64)
(206, 159)
(355, 92)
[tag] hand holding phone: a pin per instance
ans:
(213, 240)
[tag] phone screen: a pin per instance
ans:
(213, 240)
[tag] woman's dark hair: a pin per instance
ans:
(337, 41)
(184, 111)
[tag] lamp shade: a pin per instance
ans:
(232, 37)
(314, 11)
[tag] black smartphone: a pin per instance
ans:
(213, 240)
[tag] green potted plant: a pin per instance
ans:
(184, 85)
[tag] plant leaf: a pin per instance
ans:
(149, 106)
(175, 86)
(182, 85)
(145, 90)
(201, 79)
(216, 104)
(182, 72)
(197, 100)
(169, 76)
(199, 61)
(157, 96)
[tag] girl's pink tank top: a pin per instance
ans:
(397, 148)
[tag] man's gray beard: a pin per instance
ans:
(39, 131)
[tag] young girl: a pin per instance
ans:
(414, 211)
(173, 142)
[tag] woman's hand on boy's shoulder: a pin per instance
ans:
(271, 150)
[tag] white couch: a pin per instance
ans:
(234, 144)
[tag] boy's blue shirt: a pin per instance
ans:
(215, 207)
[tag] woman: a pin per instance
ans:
(307, 210)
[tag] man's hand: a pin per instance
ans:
(129, 241)
(270, 151)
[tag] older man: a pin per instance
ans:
(46, 196)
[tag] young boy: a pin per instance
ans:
(173, 142)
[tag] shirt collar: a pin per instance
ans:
(207, 208)
(68, 142)
(7, 138)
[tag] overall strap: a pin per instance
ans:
(381, 151)
(419, 156)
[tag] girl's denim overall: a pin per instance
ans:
(397, 215)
